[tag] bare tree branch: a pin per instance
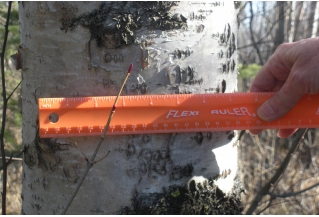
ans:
(290, 194)
(85, 157)
(16, 157)
(252, 34)
(260, 42)
(90, 163)
(4, 112)
(102, 158)
(12, 158)
(266, 38)
(13, 91)
(265, 189)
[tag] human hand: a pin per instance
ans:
(292, 71)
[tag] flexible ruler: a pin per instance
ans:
(86, 116)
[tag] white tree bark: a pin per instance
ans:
(182, 47)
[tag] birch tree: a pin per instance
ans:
(73, 49)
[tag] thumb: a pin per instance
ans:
(281, 103)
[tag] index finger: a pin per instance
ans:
(275, 72)
(271, 76)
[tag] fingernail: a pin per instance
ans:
(265, 111)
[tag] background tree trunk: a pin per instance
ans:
(291, 29)
(313, 7)
(280, 30)
(72, 49)
(298, 18)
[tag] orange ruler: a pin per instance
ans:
(86, 116)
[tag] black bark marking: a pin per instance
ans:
(230, 136)
(223, 86)
(114, 24)
(146, 138)
(199, 138)
(237, 4)
(232, 65)
(130, 151)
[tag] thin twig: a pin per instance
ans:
(265, 189)
(4, 113)
(9, 160)
(271, 198)
(13, 91)
(16, 157)
(90, 162)
(252, 34)
(102, 158)
(266, 207)
(12, 158)
(86, 158)
(274, 186)
(293, 193)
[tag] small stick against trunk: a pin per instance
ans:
(90, 163)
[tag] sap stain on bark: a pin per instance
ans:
(190, 199)
(114, 23)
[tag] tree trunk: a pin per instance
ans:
(311, 19)
(72, 49)
(291, 21)
(280, 30)
(298, 17)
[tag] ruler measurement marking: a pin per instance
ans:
(189, 113)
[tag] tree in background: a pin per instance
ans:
(273, 23)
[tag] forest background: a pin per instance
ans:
(263, 26)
